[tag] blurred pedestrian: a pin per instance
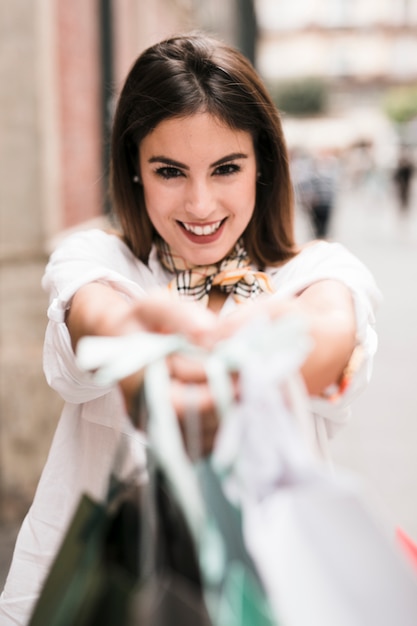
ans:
(316, 178)
(403, 176)
(324, 183)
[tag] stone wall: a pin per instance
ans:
(28, 409)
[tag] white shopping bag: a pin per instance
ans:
(323, 556)
(326, 561)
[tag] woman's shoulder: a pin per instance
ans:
(312, 253)
(321, 247)
(93, 255)
(90, 243)
(321, 260)
(93, 251)
(323, 253)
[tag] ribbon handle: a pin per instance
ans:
(282, 343)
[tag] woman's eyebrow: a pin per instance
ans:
(229, 157)
(173, 163)
(168, 161)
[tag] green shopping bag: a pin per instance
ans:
(129, 561)
(234, 593)
(83, 586)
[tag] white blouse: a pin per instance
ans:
(93, 418)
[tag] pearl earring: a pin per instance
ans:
(136, 179)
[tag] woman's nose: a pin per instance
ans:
(200, 201)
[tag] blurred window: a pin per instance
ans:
(284, 14)
(403, 57)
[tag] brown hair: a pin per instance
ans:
(181, 76)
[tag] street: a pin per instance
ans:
(380, 443)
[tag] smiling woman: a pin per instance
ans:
(196, 75)
(204, 245)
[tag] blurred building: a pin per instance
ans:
(346, 40)
(357, 49)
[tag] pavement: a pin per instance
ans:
(379, 445)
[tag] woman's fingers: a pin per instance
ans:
(262, 308)
(164, 314)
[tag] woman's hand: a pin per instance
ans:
(98, 309)
(163, 313)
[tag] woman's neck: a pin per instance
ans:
(216, 300)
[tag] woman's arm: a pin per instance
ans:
(98, 309)
(328, 308)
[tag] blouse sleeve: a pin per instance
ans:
(81, 258)
(321, 261)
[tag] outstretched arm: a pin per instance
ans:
(328, 308)
(98, 309)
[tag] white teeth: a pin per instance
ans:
(209, 229)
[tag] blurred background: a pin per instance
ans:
(344, 75)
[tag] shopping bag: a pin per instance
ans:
(321, 543)
(127, 561)
(233, 591)
(169, 586)
(320, 550)
(85, 585)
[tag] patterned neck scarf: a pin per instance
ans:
(231, 275)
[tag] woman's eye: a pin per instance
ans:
(168, 172)
(227, 169)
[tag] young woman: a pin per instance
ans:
(203, 199)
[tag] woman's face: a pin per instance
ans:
(199, 183)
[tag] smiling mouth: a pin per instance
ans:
(202, 230)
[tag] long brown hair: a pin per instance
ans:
(181, 76)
